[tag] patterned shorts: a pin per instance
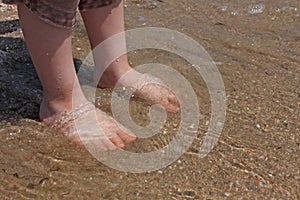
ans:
(60, 13)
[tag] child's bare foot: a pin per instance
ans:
(146, 86)
(109, 135)
(101, 24)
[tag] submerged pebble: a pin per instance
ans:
(142, 18)
(234, 13)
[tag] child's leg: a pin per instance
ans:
(102, 23)
(50, 50)
(51, 53)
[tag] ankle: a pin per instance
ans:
(124, 74)
(51, 106)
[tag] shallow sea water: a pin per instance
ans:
(256, 47)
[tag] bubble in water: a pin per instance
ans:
(256, 8)
(223, 8)
(234, 13)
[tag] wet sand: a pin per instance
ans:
(256, 46)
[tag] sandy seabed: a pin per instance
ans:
(256, 48)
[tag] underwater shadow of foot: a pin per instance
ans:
(20, 88)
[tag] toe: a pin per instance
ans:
(126, 135)
(171, 103)
(115, 139)
(171, 108)
(111, 146)
(174, 100)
